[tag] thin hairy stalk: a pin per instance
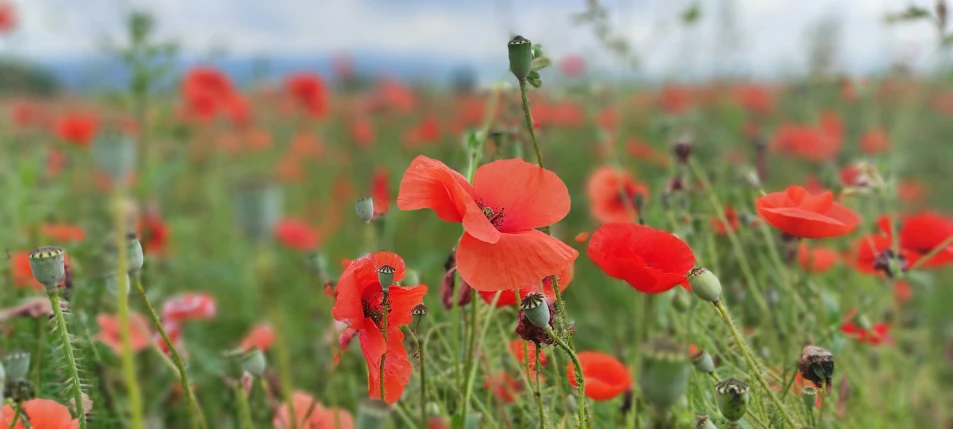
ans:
(471, 372)
(244, 410)
(423, 377)
(38, 354)
(70, 358)
(536, 393)
(583, 415)
(455, 326)
(753, 366)
(472, 329)
(195, 412)
(386, 305)
(125, 334)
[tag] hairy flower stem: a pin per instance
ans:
(472, 329)
(125, 334)
(70, 358)
(423, 376)
(536, 393)
(196, 416)
(244, 411)
(386, 305)
(753, 366)
(577, 366)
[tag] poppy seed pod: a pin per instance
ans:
(17, 364)
(521, 57)
(134, 257)
(112, 283)
(535, 308)
(703, 422)
(809, 396)
(385, 275)
(664, 372)
(703, 362)
(372, 414)
(732, 398)
(257, 208)
(364, 208)
(48, 264)
(816, 364)
(419, 310)
(254, 362)
(705, 284)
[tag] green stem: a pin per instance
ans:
(125, 334)
(468, 389)
(244, 411)
(423, 378)
(472, 328)
(70, 359)
(929, 255)
(16, 415)
(38, 355)
(386, 305)
(583, 415)
(753, 367)
(537, 394)
(195, 412)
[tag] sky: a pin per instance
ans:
(771, 36)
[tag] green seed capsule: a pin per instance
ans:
(17, 364)
(705, 284)
(536, 310)
(809, 396)
(703, 362)
(385, 275)
(521, 57)
(663, 374)
(364, 208)
(732, 398)
(254, 362)
(48, 264)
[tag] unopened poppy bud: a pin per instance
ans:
(419, 310)
(364, 208)
(372, 414)
(703, 362)
(535, 308)
(257, 208)
(703, 422)
(253, 362)
(17, 364)
(411, 278)
(809, 396)
(134, 256)
(705, 284)
(521, 57)
(385, 275)
(732, 398)
(681, 301)
(663, 376)
(816, 364)
(48, 264)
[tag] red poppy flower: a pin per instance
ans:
(911, 191)
(612, 195)
(309, 92)
(296, 234)
(260, 337)
(875, 335)
(922, 233)
(649, 260)
(380, 190)
(754, 98)
(501, 247)
(508, 297)
(360, 304)
(62, 232)
(153, 234)
(8, 17)
(23, 113)
(504, 386)
(426, 131)
(237, 109)
(396, 95)
(139, 330)
(722, 228)
(800, 214)
(309, 414)
(873, 254)
(605, 376)
(41, 413)
(817, 259)
(639, 149)
(77, 129)
(189, 306)
(207, 92)
(362, 131)
(874, 141)
(808, 142)
(516, 349)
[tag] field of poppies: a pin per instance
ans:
(543, 252)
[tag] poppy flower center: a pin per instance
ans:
(372, 303)
(887, 261)
(494, 216)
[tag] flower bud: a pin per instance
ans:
(48, 264)
(17, 364)
(134, 256)
(817, 365)
(536, 310)
(809, 396)
(257, 208)
(253, 362)
(372, 414)
(732, 398)
(705, 284)
(364, 208)
(703, 422)
(385, 275)
(664, 372)
(703, 362)
(521, 57)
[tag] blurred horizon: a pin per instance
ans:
(427, 40)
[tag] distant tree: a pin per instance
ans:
(17, 77)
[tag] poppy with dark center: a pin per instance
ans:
(798, 213)
(40, 413)
(606, 377)
(923, 232)
(296, 234)
(612, 195)
(874, 254)
(508, 297)
(650, 260)
(817, 259)
(360, 303)
(501, 210)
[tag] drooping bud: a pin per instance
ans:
(134, 257)
(816, 364)
(703, 362)
(703, 422)
(732, 398)
(372, 414)
(385, 275)
(48, 264)
(536, 310)
(257, 208)
(664, 372)
(17, 364)
(705, 284)
(364, 208)
(809, 396)
(253, 362)
(521, 57)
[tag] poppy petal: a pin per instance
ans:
(402, 301)
(397, 367)
(430, 184)
(516, 260)
(530, 196)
